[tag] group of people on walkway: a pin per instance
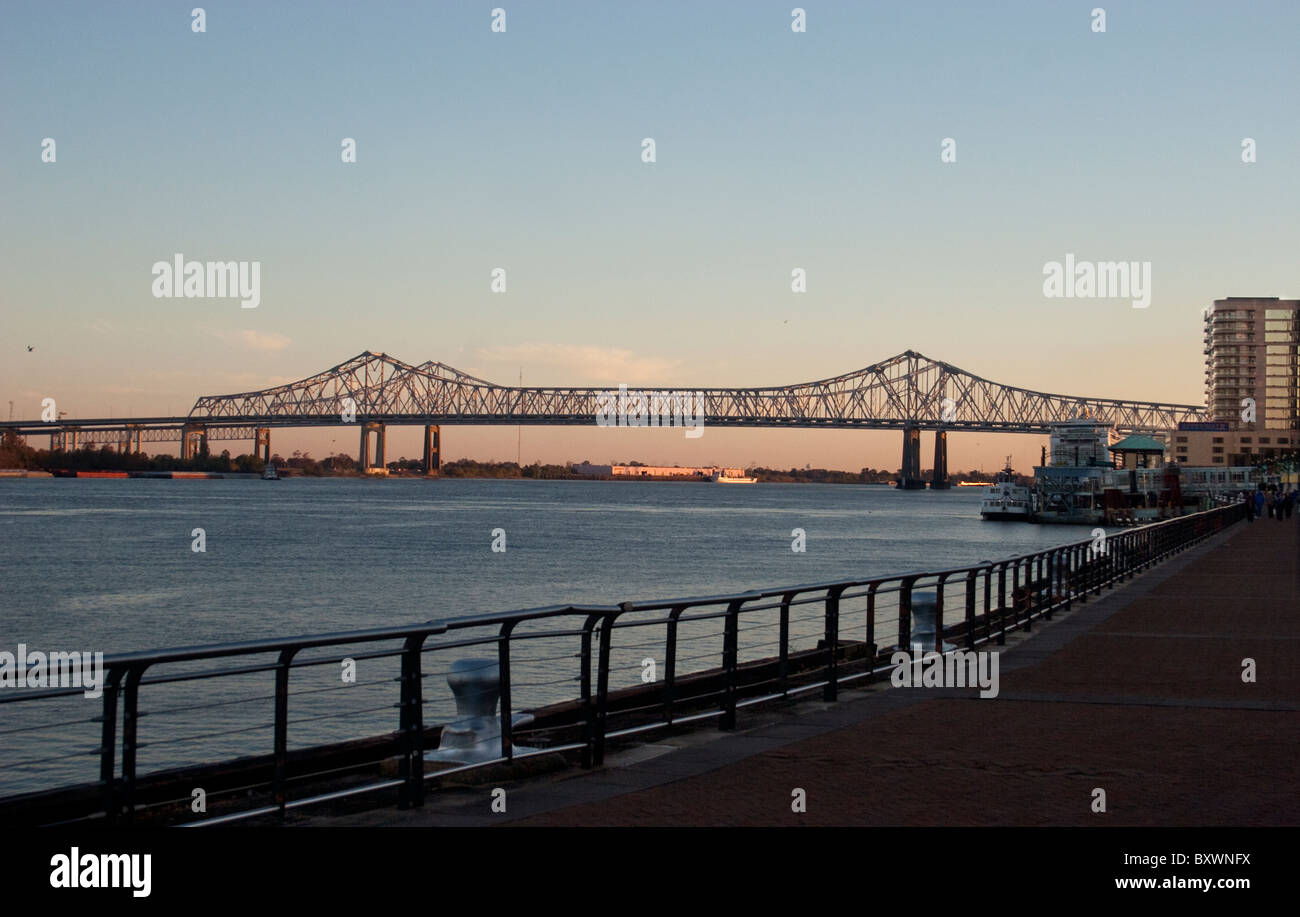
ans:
(1278, 504)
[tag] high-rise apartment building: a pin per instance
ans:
(1252, 351)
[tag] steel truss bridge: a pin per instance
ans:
(908, 392)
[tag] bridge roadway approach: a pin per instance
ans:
(909, 392)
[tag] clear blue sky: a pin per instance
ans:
(522, 150)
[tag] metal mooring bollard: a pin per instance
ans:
(476, 734)
(925, 622)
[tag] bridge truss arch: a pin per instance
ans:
(908, 390)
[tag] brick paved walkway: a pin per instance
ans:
(1139, 693)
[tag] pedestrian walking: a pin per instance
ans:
(1250, 505)
(1259, 502)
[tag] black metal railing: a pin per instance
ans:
(712, 655)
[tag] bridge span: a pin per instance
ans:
(909, 392)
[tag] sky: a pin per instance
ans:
(522, 150)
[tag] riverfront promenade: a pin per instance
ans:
(1139, 693)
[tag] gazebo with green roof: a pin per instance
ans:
(1139, 451)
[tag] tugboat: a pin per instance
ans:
(1007, 501)
(268, 473)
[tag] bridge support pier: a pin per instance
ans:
(262, 444)
(432, 449)
(910, 478)
(939, 479)
(193, 438)
(364, 458)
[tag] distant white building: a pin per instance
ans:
(654, 471)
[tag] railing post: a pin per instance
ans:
(1063, 561)
(871, 623)
(730, 656)
(410, 721)
(130, 741)
(108, 746)
(831, 689)
(1002, 603)
(670, 663)
(988, 602)
(970, 610)
(938, 613)
(1015, 593)
(1053, 583)
(503, 669)
(1042, 584)
(588, 706)
(1047, 576)
(602, 682)
(784, 665)
(1032, 579)
(282, 726)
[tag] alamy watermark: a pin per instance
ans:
(75, 869)
(653, 409)
(956, 669)
(52, 670)
(181, 279)
(1098, 280)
